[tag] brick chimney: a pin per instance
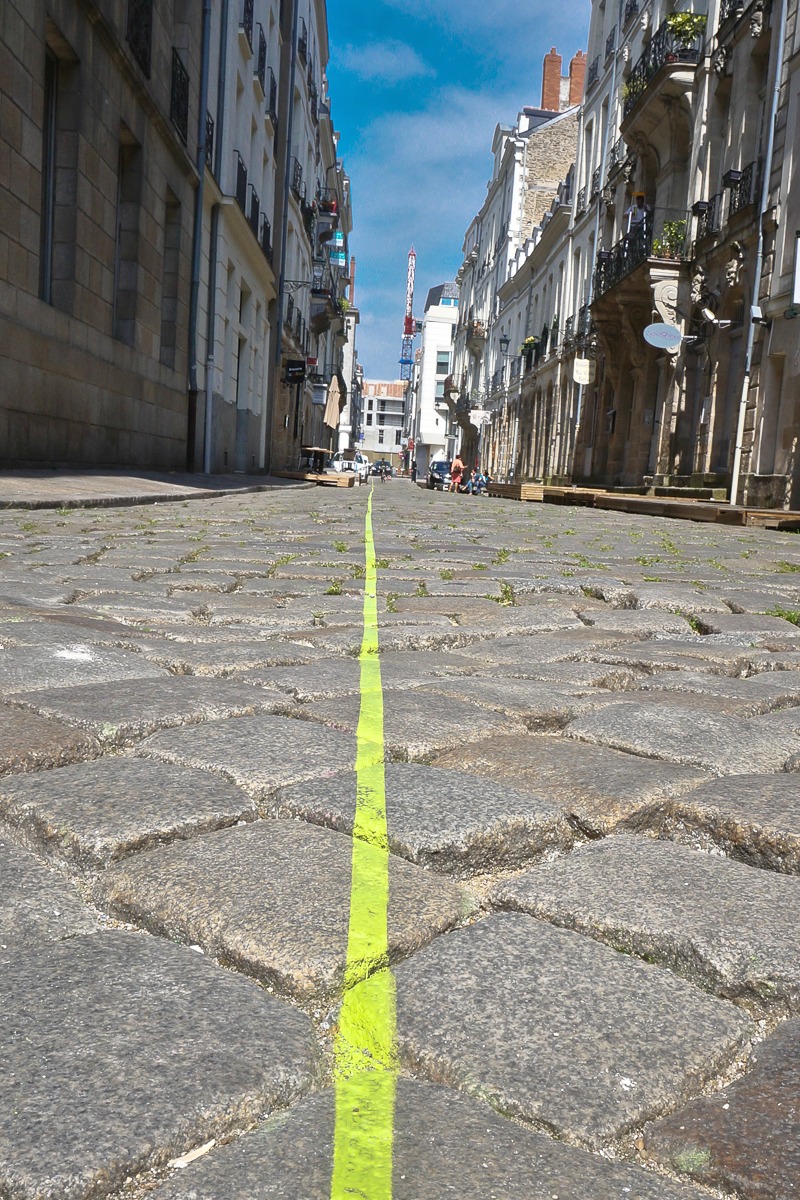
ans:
(577, 74)
(551, 81)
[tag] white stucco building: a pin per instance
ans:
(431, 411)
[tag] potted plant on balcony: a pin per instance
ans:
(686, 28)
(527, 350)
(671, 242)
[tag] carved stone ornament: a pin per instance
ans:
(665, 299)
(757, 19)
(722, 61)
(698, 284)
(734, 267)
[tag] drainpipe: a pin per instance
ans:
(212, 314)
(751, 330)
(197, 232)
(287, 179)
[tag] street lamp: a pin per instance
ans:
(505, 342)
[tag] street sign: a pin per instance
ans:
(665, 337)
(584, 370)
(479, 416)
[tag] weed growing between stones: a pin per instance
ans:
(391, 601)
(784, 567)
(502, 556)
(447, 574)
(479, 567)
(334, 588)
(786, 614)
(340, 546)
(506, 597)
(422, 588)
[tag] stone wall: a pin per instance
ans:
(551, 152)
(93, 322)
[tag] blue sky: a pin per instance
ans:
(416, 91)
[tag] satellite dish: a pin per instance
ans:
(666, 337)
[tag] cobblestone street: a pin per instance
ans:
(592, 732)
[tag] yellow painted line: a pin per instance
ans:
(365, 1048)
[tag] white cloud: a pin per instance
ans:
(389, 62)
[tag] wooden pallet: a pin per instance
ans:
(333, 479)
(517, 491)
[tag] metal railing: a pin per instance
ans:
(254, 212)
(209, 139)
(241, 182)
(743, 192)
(272, 102)
(265, 240)
(593, 74)
(139, 32)
(611, 42)
(582, 201)
(247, 21)
(665, 47)
(660, 234)
(298, 187)
(302, 42)
(179, 96)
(584, 321)
(731, 8)
(597, 177)
(708, 221)
(569, 332)
(261, 60)
(631, 11)
(617, 154)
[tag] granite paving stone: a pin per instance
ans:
(719, 924)
(698, 654)
(329, 677)
(529, 653)
(647, 622)
(123, 1052)
(724, 745)
(290, 1158)
(418, 724)
(258, 754)
(101, 811)
(743, 1139)
(228, 658)
(752, 818)
(555, 1029)
(66, 663)
(32, 743)
(753, 625)
(540, 706)
(120, 717)
(36, 902)
(596, 786)
(272, 900)
(445, 820)
(759, 693)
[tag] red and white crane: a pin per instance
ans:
(409, 324)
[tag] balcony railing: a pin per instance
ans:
(272, 101)
(666, 46)
(254, 212)
(313, 101)
(581, 201)
(743, 192)
(265, 241)
(247, 21)
(261, 61)
(708, 220)
(658, 235)
(731, 8)
(569, 332)
(593, 74)
(209, 139)
(597, 177)
(302, 42)
(179, 96)
(617, 154)
(611, 42)
(289, 310)
(631, 11)
(241, 182)
(584, 321)
(298, 187)
(139, 32)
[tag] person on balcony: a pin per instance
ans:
(637, 213)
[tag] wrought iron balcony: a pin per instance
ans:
(289, 318)
(260, 72)
(254, 212)
(731, 8)
(209, 139)
(631, 11)
(298, 187)
(265, 241)
(302, 42)
(246, 24)
(585, 324)
(611, 42)
(743, 191)
(581, 201)
(597, 177)
(668, 45)
(272, 102)
(708, 220)
(313, 101)
(569, 332)
(659, 235)
(593, 74)
(617, 154)
(139, 32)
(241, 182)
(179, 96)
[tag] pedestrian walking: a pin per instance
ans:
(456, 472)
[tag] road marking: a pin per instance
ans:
(365, 1048)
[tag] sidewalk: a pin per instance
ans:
(64, 488)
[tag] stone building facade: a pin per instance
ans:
(96, 231)
(171, 168)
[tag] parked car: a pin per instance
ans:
(351, 460)
(439, 476)
(382, 467)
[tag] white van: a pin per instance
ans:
(351, 460)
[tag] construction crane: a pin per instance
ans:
(409, 324)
